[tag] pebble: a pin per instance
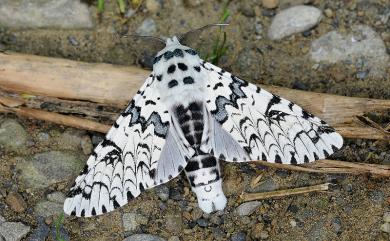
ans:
(386, 217)
(45, 13)
(153, 6)
(361, 43)
(270, 3)
(73, 41)
(147, 27)
(71, 139)
(202, 222)
(174, 223)
(16, 202)
(2, 219)
(143, 237)
(162, 192)
(336, 225)
(48, 208)
(193, 3)
(12, 231)
(247, 208)
(86, 144)
(293, 20)
(13, 136)
(216, 220)
(174, 238)
(47, 168)
(58, 197)
(240, 236)
(218, 233)
(328, 12)
(132, 221)
(385, 227)
(377, 196)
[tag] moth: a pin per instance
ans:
(190, 115)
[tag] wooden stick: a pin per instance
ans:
(282, 193)
(115, 85)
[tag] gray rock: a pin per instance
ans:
(174, 238)
(153, 6)
(11, 231)
(362, 43)
(319, 232)
(202, 222)
(41, 232)
(47, 168)
(385, 227)
(48, 208)
(162, 192)
(71, 139)
(247, 208)
(86, 144)
(44, 13)
(293, 20)
(147, 28)
(132, 221)
(13, 136)
(58, 197)
(174, 224)
(377, 196)
(2, 219)
(143, 237)
(238, 237)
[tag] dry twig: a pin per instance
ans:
(282, 193)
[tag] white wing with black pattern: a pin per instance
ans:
(139, 152)
(265, 126)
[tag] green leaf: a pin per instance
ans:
(100, 5)
(122, 6)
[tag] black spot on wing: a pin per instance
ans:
(172, 83)
(191, 51)
(171, 69)
(275, 100)
(188, 80)
(219, 84)
(159, 77)
(157, 59)
(182, 66)
(168, 55)
(197, 68)
(178, 53)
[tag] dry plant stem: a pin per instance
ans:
(282, 193)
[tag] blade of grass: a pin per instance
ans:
(100, 5)
(58, 224)
(122, 6)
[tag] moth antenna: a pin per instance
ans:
(182, 37)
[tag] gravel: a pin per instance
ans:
(385, 227)
(13, 231)
(247, 208)
(41, 232)
(293, 20)
(240, 236)
(143, 237)
(162, 192)
(16, 202)
(361, 44)
(67, 14)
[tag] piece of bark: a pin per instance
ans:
(115, 85)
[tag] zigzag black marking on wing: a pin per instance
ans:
(220, 112)
(160, 127)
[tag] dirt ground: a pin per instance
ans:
(352, 210)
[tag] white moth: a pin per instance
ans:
(189, 115)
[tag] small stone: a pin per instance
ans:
(336, 224)
(16, 202)
(293, 223)
(293, 20)
(328, 12)
(196, 213)
(132, 221)
(47, 168)
(376, 196)
(48, 208)
(73, 41)
(174, 224)
(58, 197)
(247, 208)
(129, 13)
(86, 144)
(143, 237)
(13, 136)
(362, 43)
(153, 6)
(11, 231)
(45, 13)
(270, 3)
(162, 192)
(267, 185)
(174, 238)
(240, 236)
(386, 217)
(147, 27)
(218, 233)
(2, 219)
(264, 234)
(385, 227)
(246, 9)
(71, 139)
(216, 220)
(40, 233)
(257, 230)
(202, 222)
(193, 3)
